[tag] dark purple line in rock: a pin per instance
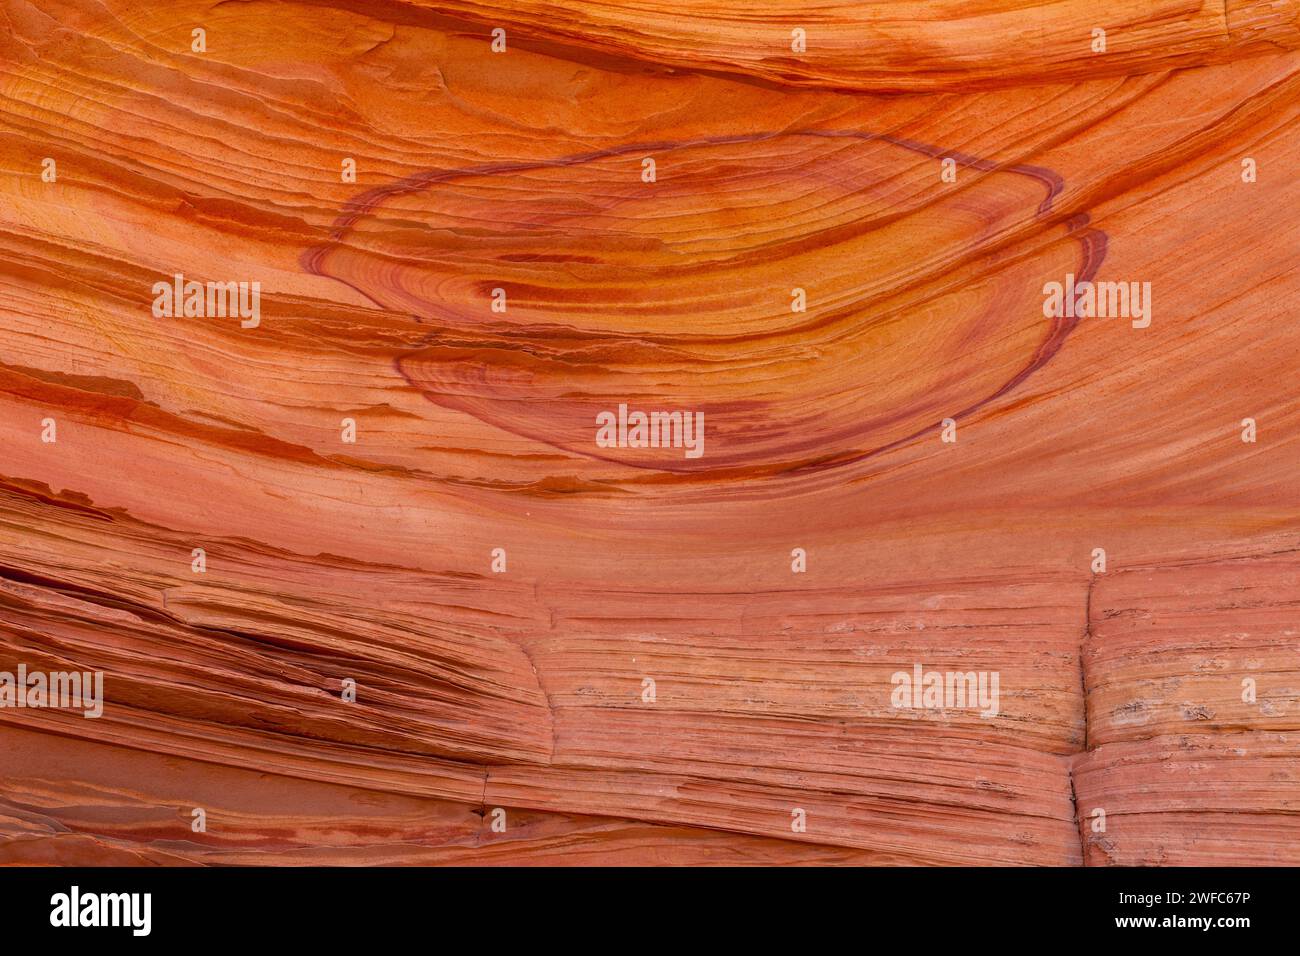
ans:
(1092, 241)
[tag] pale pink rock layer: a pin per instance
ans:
(1193, 677)
(1121, 691)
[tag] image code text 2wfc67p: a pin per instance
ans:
(665, 433)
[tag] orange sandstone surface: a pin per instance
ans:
(364, 582)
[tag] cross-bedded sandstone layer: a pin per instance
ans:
(517, 681)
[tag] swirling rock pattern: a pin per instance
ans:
(499, 587)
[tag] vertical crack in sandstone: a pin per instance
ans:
(1083, 667)
(1078, 824)
(1083, 685)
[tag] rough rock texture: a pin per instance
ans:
(1193, 676)
(524, 690)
